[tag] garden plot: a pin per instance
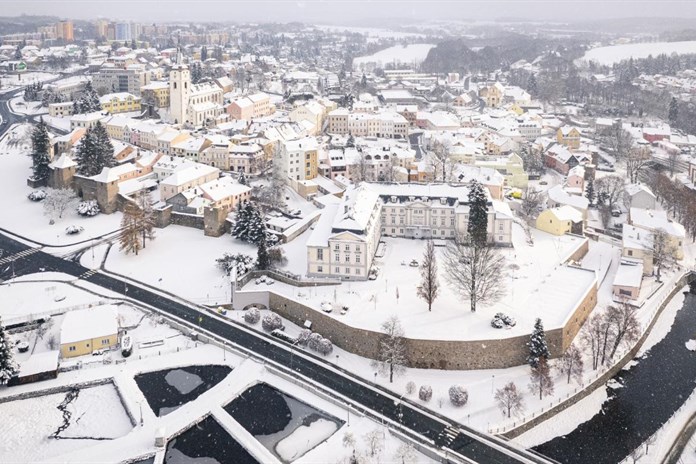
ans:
(28, 425)
(167, 390)
(285, 426)
(206, 443)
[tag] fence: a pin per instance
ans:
(27, 318)
(519, 425)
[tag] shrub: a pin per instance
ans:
(271, 322)
(425, 393)
(37, 195)
(88, 208)
(458, 395)
(277, 256)
(410, 387)
(73, 230)
(325, 347)
(501, 320)
(313, 341)
(303, 338)
(252, 316)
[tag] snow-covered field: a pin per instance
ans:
(20, 106)
(615, 53)
(407, 55)
(10, 81)
(27, 425)
(25, 217)
(369, 31)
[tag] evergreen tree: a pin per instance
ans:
(196, 73)
(263, 259)
(538, 348)
(204, 53)
(590, 192)
(249, 225)
(18, 53)
(532, 86)
(103, 147)
(85, 156)
(39, 155)
(133, 45)
(242, 179)
(89, 101)
(478, 215)
(673, 114)
(95, 151)
(8, 367)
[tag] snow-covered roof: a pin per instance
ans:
(223, 187)
(567, 213)
(358, 205)
(322, 229)
(629, 275)
(84, 324)
(39, 363)
(114, 173)
(636, 238)
(64, 161)
(560, 196)
(632, 189)
(654, 220)
(189, 173)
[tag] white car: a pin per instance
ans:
(270, 281)
(326, 307)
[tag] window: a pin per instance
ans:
(357, 259)
(72, 348)
(336, 247)
(500, 238)
(357, 271)
(347, 247)
(630, 252)
(451, 221)
(105, 341)
(320, 269)
(625, 292)
(347, 258)
(320, 254)
(338, 270)
(347, 270)
(337, 257)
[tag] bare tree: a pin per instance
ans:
(650, 441)
(531, 200)
(636, 160)
(477, 273)
(374, 442)
(605, 215)
(429, 287)
(405, 454)
(610, 190)
(672, 159)
(137, 224)
(571, 364)
(636, 454)
(625, 325)
(663, 251)
(509, 399)
(439, 157)
(392, 349)
(592, 338)
(540, 379)
(57, 201)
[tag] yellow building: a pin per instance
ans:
(568, 136)
(156, 92)
(492, 94)
(121, 102)
(87, 330)
(560, 221)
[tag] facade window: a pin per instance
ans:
(338, 270)
(105, 341)
(72, 348)
(357, 271)
(357, 259)
(337, 257)
(347, 258)
(451, 221)
(347, 270)
(625, 292)
(347, 247)
(336, 247)
(630, 252)
(320, 254)
(320, 269)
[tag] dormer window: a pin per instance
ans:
(443, 201)
(393, 199)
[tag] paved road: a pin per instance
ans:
(467, 442)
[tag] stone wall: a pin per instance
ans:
(187, 220)
(427, 354)
(106, 194)
(214, 221)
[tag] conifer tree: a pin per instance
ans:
(8, 367)
(538, 349)
(95, 151)
(673, 113)
(478, 215)
(89, 101)
(590, 191)
(242, 179)
(249, 225)
(263, 259)
(40, 145)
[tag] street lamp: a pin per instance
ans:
(492, 382)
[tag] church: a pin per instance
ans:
(196, 105)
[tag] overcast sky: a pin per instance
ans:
(346, 11)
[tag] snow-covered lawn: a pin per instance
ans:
(20, 106)
(10, 81)
(27, 425)
(25, 217)
(403, 54)
(615, 53)
(394, 291)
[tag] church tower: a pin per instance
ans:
(179, 90)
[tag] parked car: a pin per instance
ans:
(543, 182)
(326, 306)
(270, 281)
(616, 212)
(414, 263)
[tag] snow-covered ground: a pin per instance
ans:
(27, 425)
(408, 55)
(25, 217)
(369, 31)
(11, 81)
(394, 291)
(615, 53)
(20, 106)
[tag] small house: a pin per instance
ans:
(560, 221)
(628, 279)
(86, 330)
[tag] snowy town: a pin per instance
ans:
(418, 240)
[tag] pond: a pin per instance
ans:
(640, 399)
(286, 426)
(206, 443)
(167, 390)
